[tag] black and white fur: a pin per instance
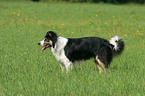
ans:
(70, 50)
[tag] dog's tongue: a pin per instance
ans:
(43, 49)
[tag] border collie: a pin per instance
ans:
(70, 50)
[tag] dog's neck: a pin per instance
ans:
(60, 44)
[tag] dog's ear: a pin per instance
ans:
(53, 35)
(47, 34)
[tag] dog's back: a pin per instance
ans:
(84, 48)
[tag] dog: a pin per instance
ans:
(71, 50)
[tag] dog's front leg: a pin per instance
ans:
(68, 66)
(62, 67)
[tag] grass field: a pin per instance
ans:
(26, 71)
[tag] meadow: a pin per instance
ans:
(26, 71)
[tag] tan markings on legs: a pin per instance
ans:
(100, 63)
(100, 69)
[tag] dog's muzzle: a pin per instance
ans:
(45, 44)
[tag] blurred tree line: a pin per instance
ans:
(91, 1)
(102, 1)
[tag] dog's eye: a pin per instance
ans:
(45, 39)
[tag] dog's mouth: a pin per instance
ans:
(45, 47)
(45, 44)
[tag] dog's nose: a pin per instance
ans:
(39, 43)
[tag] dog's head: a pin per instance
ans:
(49, 40)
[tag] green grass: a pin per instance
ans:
(26, 71)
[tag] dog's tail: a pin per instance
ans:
(118, 45)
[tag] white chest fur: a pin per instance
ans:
(58, 51)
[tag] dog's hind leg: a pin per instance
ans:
(100, 69)
(100, 65)
(104, 57)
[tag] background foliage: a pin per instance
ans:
(90, 1)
